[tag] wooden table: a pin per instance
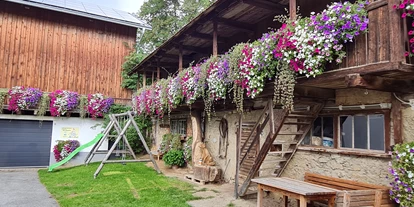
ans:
(296, 189)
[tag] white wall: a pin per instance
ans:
(88, 129)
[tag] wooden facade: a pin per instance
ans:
(51, 50)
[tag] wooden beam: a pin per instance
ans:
(396, 120)
(208, 37)
(180, 58)
(215, 45)
(152, 77)
(379, 83)
(292, 9)
(381, 67)
(271, 6)
(236, 177)
(174, 56)
(235, 24)
(200, 50)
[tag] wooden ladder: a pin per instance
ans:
(251, 157)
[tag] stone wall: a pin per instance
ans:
(363, 169)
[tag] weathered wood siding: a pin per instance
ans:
(380, 43)
(51, 50)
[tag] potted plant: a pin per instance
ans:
(174, 158)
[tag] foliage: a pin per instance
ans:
(74, 187)
(408, 10)
(402, 174)
(174, 157)
(98, 105)
(303, 46)
(3, 96)
(62, 101)
(131, 81)
(166, 17)
(21, 98)
(63, 148)
(43, 105)
(176, 142)
(144, 123)
(83, 106)
(188, 150)
(165, 143)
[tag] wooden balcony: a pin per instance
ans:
(375, 60)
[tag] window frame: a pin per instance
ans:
(177, 121)
(336, 136)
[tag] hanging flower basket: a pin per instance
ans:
(62, 101)
(63, 148)
(21, 98)
(98, 105)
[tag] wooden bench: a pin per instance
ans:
(353, 193)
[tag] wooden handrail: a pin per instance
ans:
(254, 128)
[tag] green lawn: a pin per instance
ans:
(133, 184)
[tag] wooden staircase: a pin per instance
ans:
(284, 133)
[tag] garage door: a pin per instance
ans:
(24, 143)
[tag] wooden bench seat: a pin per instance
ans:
(353, 193)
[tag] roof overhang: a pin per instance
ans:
(80, 13)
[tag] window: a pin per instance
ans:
(362, 132)
(179, 126)
(353, 131)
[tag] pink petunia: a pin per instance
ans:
(406, 54)
(404, 15)
(402, 6)
(395, 6)
(411, 32)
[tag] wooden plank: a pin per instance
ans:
(3, 25)
(372, 36)
(24, 50)
(342, 182)
(31, 57)
(383, 34)
(15, 52)
(260, 195)
(396, 34)
(292, 9)
(64, 54)
(51, 54)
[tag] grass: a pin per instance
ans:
(133, 184)
(231, 205)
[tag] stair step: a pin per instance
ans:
(290, 133)
(279, 142)
(280, 152)
(300, 116)
(296, 123)
(275, 160)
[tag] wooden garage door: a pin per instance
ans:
(25, 143)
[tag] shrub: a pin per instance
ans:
(402, 174)
(188, 150)
(174, 157)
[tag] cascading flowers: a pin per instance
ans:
(98, 105)
(160, 99)
(62, 101)
(63, 148)
(218, 79)
(408, 5)
(302, 46)
(21, 98)
(175, 95)
(402, 174)
(192, 86)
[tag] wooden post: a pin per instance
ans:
(152, 78)
(144, 79)
(303, 201)
(158, 70)
(215, 46)
(292, 9)
(138, 82)
(396, 121)
(285, 201)
(259, 195)
(180, 58)
(236, 177)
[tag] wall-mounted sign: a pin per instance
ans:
(69, 132)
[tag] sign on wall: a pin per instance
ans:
(69, 132)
